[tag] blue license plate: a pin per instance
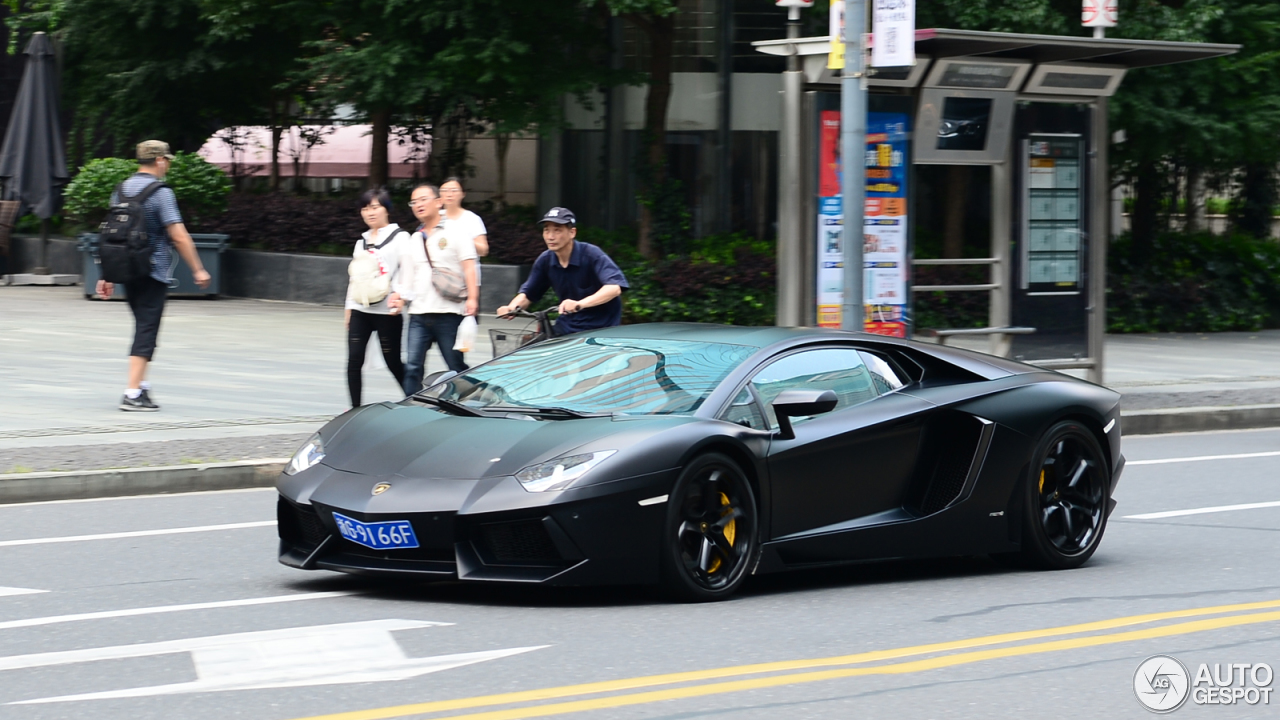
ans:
(390, 535)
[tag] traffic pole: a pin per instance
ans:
(853, 146)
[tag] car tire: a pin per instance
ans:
(1066, 498)
(710, 537)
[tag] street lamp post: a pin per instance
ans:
(853, 144)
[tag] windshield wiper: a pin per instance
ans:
(547, 412)
(450, 406)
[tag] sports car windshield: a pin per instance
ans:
(597, 376)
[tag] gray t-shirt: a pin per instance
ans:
(162, 211)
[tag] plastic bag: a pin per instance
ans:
(466, 334)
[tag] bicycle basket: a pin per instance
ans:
(507, 341)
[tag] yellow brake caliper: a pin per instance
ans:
(1042, 482)
(730, 531)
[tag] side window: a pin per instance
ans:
(745, 412)
(883, 375)
(838, 369)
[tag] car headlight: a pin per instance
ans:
(311, 452)
(558, 474)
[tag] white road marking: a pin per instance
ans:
(1201, 511)
(136, 533)
(1202, 458)
(355, 652)
(653, 500)
(137, 497)
(162, 609)
(10, 591)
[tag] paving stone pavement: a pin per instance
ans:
(148, 454)
(246, 379)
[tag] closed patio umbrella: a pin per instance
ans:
(33, 164)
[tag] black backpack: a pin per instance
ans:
(124, 249)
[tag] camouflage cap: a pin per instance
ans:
(152, 149)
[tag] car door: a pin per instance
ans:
(851, 463)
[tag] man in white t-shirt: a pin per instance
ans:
(432, 317)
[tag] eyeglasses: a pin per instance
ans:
(420, 201)
(449, 190)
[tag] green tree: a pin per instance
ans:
(657, 20)
(134, 69)
(452, 64)
(1221, 115)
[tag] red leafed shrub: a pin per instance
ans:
(289, 223)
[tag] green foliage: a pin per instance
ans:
(647, 302)
(138, 69)
(942, 310)
(1194, 283)
(201, 188)
(88, 195)
(1048, 17)
(728, 279)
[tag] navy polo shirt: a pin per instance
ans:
(589, 270)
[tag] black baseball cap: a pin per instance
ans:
(560, 216)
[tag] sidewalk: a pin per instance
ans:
(235, 379)
(248, 379)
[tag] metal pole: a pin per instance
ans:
(1099, 236)
(43, 267)
(1000, 312)
(790, 231)
(853, 148)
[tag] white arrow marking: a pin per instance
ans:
(295, 657)
(7, 591)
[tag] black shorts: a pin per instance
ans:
(146, 300)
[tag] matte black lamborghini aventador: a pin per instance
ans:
(694, 455)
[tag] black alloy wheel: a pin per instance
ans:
(1068, 494)
(710, 538)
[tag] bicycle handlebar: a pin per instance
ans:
(538, 315)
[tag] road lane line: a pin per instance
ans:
(136, 533)
(913, 666)
(137, 497)
(11, 591)
(163, 609)
(892, 669)
(1202, 458)
(1201, 511)
(780, 666)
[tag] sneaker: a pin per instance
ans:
(142, 403)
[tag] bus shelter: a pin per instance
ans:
(1032, 110)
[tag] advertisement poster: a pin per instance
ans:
(884, 235)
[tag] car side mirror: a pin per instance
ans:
(801, 403)
(437, 377)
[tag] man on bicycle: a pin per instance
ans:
(587, 281)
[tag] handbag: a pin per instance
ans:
(369, 283)
(449, 283)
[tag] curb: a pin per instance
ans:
(80, 485)
(1237, 417)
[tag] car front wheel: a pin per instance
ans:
(710, 537)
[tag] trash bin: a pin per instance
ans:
(209, 246)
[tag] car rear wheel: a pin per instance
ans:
(1067, 494)
(710, 537)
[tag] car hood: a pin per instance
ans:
(418, 441)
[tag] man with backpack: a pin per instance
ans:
(135, 249)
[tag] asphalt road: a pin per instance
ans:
(126, 622)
